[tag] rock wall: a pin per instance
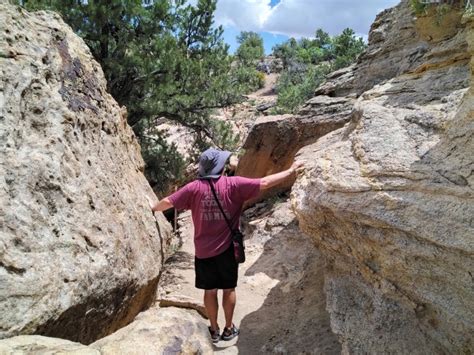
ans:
(389, 199)
(398, 44)
(80, 252)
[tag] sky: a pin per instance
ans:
(278, 20)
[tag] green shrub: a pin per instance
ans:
(418, 7)
(250, 48)
(295, 87)
(441, 9)
(306, 63)
(248, 79)
(164, 165)
(260, 79)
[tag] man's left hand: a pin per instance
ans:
(150, 203)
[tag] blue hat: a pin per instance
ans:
(212, 162)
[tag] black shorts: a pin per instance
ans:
(219, 271)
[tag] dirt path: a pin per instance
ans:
(267, 90)
(280, 298)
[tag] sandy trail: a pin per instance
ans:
(267, 90)
(280, 294)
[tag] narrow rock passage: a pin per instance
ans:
(280, 298)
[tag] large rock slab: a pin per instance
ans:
(274, 140)
(155, 331)
(389, 200)
(160, 331)
(37, 344)
(80, 252)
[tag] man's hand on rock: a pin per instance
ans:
(150, 203)
(298, 166)
(233, 162)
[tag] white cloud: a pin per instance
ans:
(247, 15)
(300, 17)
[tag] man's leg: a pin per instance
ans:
(212, 306)
(228, 303)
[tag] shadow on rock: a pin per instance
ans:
(292, 318)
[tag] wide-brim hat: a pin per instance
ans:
(212, 162)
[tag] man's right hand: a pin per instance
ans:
(298, 166)
(274, 179)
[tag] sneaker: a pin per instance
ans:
(215, 334)
(230, 333)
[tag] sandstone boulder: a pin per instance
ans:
(155, 331)
(400, 43)
(389, 201)
(80, 252)
(36, 344)
(159, 331)
(273, 141)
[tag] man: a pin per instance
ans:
(215, 265)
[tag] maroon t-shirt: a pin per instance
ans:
(211, 233)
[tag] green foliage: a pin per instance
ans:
(321, 38)
(294, 87)
(260, 79)
(162, 172)
(306, 63)
(250, 48)
(346, 48)
(246, 79)
(161, 59)
(441, 9)
(223, 138)
(418, 7)
(244, 73)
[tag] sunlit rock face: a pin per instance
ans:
(388, 198)
(155, 331)
(80, 252)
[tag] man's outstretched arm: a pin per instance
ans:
(162, 205)
(274, 179)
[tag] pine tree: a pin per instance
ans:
(250, 51)
(250, 48)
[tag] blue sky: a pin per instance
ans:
(278, 20)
